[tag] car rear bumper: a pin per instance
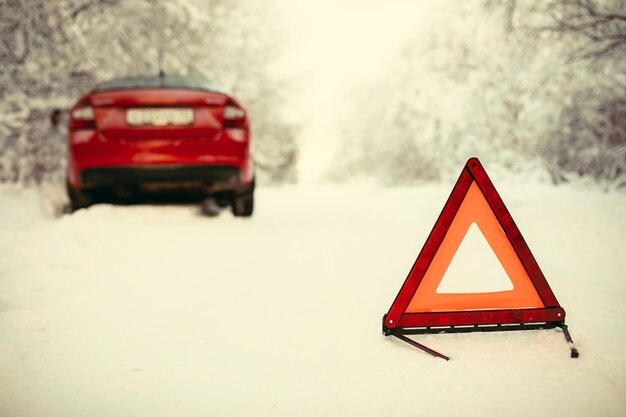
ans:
(215, 178)
(95, 161)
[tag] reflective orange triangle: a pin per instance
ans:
(474, 199)
(475, 209)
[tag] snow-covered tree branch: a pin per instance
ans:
(488, 79)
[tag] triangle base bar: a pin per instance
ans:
(478, 317)
(471, 328)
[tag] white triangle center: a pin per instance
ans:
(474, 268)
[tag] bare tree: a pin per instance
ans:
(602, 25)
(91, 4)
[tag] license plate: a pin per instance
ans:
(159, 116)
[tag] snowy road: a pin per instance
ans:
(160, 311)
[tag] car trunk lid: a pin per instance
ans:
(158, 113)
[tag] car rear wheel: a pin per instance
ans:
(243, 204)
(79, 199)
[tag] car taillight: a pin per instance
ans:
(82, 117)
(234, 116)
(233, 113)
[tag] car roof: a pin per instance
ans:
(166, 81)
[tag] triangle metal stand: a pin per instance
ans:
(570, 342)
(420, 346)
(401, 334)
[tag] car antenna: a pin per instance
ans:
(160, 61)
(160, 49)
(161, 75)
(160, 54)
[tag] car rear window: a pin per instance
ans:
(158, 82)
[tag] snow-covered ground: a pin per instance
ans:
(161, 311)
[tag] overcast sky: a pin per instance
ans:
(334, 45)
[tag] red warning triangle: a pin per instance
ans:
(421, 308)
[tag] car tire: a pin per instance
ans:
(243, 204)
(79, 199)
(210, 207)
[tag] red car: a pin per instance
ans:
(158, 133)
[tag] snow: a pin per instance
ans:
(466, 272)
(160, 311)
